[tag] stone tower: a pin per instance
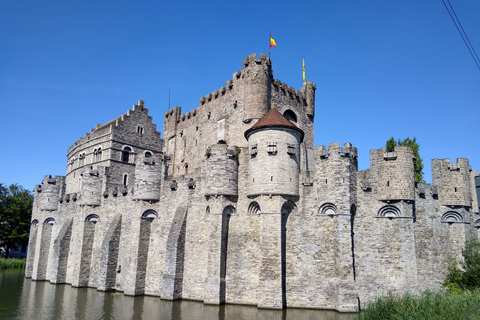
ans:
(49, 192)
(222, 170)
(273, 181)
(91, 190)
(336, 170)
(274, 156)
(148, 173)
(453, 181)
(258, 79)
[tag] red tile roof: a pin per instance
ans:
(274, 119)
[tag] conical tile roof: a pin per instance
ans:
(274, 119)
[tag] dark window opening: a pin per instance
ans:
(126, 154)
(290, 115)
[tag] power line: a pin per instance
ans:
(463, 34)
(471, 46)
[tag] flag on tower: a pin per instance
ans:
(303, 69)
(272, 42)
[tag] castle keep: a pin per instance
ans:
(236, 205)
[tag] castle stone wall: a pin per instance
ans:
(205, 214)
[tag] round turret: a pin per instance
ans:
(222, 170)
(148, 173)
(91, 192)
(274, 156)
(258, 77)
(48, 194)
(395, 173)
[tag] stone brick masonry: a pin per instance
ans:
(223, 210)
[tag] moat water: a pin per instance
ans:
(22, 298)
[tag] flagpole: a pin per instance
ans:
(269, 46)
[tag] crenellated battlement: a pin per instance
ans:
(252, 60)
(335, 151)
(106, 129)
(460, 164)
(424, 190)
(49, 192)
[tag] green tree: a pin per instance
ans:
(15, 213)
(412, 143)
(466, 273)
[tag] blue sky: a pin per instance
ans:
(382, 68)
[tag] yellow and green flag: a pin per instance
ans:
(303, 69)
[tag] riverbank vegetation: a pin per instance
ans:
(15, 214)
(459, 300)
(430, 305)
(12, 263)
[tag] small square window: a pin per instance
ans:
(140, 129)
(253, 149)
(272, 147)
(291, 148)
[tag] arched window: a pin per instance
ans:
(228, 210)
(81, 159)
(328, 209)
(148, 154)
(34, 222)
(92, 218)
(389, 212)
(452, 217)
(126, 154)
(149, 215)
(49, 221)
(98, 155)
(477, 224)
(290, 115)
(254, 208)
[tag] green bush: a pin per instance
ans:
(464, 275)
(12, 263)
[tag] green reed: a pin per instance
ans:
(428, 305)
(12, 263)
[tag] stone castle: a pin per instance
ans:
(236, 205)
